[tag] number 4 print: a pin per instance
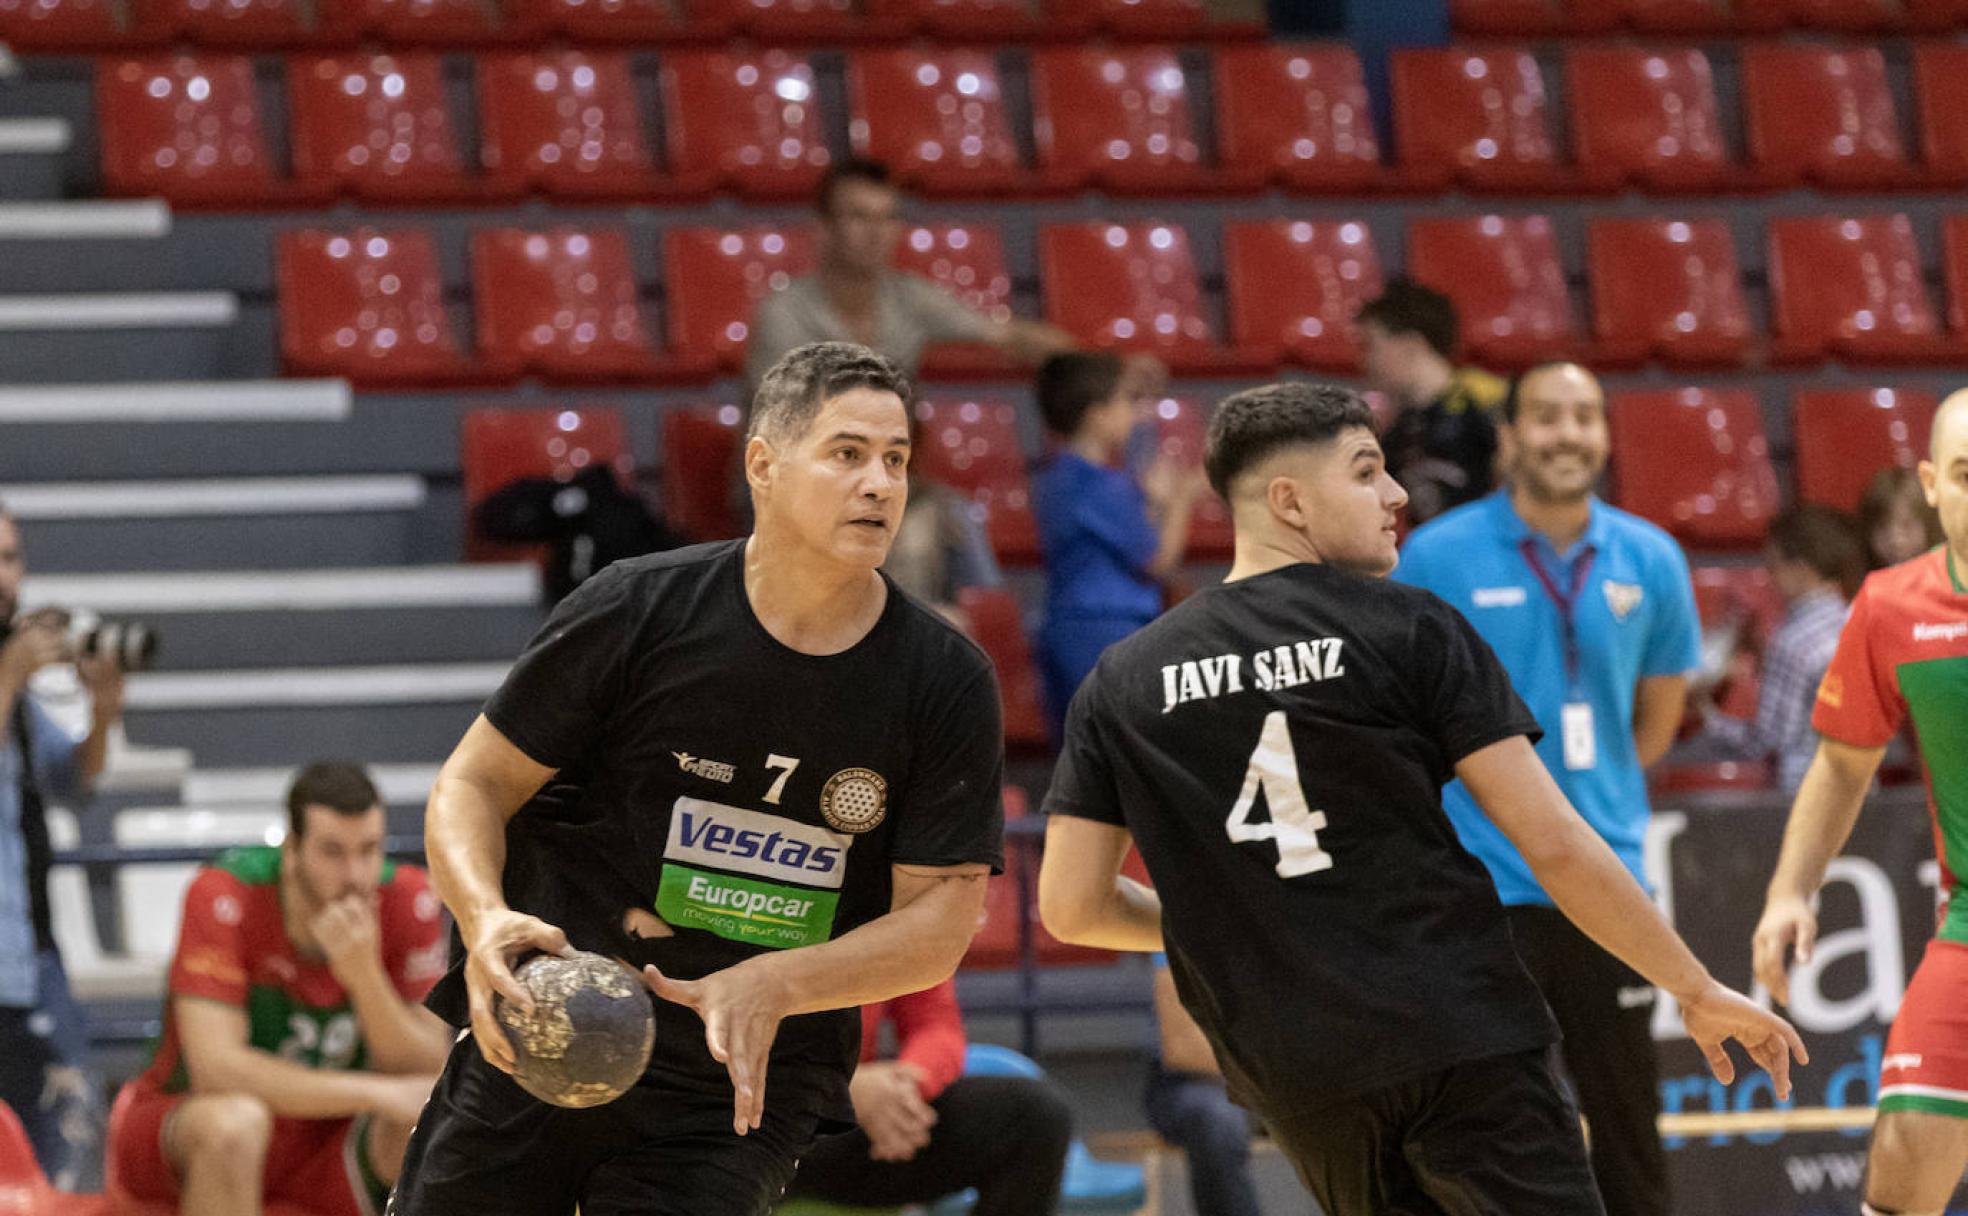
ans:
(786, 765)
(1294, 827)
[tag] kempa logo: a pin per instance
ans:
(1940, 633)
(732, 838)
(711, 770)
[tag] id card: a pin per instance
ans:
(1581, 744)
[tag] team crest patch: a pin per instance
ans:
(854, 800)
(1622, 598)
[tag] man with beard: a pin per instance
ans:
(1592, 613)
(295, 1055)
(45, 1072)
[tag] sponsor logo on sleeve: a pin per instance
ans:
(1832, 690)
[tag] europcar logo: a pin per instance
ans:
(732, 838)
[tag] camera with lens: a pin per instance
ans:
(131, 645)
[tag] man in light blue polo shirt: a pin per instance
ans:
(1592, 612)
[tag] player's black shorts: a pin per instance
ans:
(484, 1147)
(1492, 1137)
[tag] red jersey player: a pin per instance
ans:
(1904, 653)
(295, 1055)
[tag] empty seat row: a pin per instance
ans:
(72, 25)
(570, 124)
(566, 305)
(1554, 18)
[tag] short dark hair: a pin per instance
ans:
(342, 786)
(807, 377)
(1073, 382)
(1823, 539)
(1251, 425)
(853, 169)
(1513, 398)
(1406, 307)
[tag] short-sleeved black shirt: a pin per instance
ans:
(1277, 747)
(750, 796)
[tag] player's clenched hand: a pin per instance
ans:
(345, 929)
(742, 1007)
(497, 941)
(1717, 1015)
(1788, 924)
(889, 1106)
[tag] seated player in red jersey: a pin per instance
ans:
(1903, 654)
(295, 1055)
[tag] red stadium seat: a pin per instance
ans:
(1295, 287)
(232, 23)
(1132, 286)
(1695, 461)
(1297, 115)
(972, 445)
(1683, 16)
(702, 450)
(936, 118)
(1116, 120)
(1533, 18)
(501, 446)
(1937, 15)
(1741, 592)
(994, 619)
(367, 305)
(399, 23)
(1477, 117)
(1849, 287)
(1647, 117)
(1845, 436)
(1940, 74)
(1154, 20)
(377, 127)
(777, 20)
(747, 121)
(1504, 274)
(1180, 424)
(715, 277)
(1667, 289)
(594, 21)
(1822, 116)
(565, 123)
(23, 1187)
(188, 130)
(59, 25)
(955, 20)
(561, 304)
(1851, 16)
(967, 260)
(1000, 940)
(1954, 270)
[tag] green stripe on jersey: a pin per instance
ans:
(1926, 1104)
(1936, 692)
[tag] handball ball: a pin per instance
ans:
(590, 1032)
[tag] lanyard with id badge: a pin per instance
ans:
(1581, 743)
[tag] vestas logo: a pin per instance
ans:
(731, 838)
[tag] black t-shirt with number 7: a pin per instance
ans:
(1277, 747)
(744, 795)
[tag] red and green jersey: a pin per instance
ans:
(234, 948)
(1904, 653)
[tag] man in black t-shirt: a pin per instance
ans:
(753, 768)
(1276, 746)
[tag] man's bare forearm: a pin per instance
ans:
(465, 842)
(1821, 819)
(1595, 892)
(290, 1090)
(401, 1039)
(1129, 917)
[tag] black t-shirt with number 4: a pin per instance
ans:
(1277, 746)
(745, 795)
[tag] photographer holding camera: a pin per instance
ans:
(45, 1073)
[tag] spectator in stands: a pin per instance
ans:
(1189, 1107)
(1106, 540)
(1815, 563)
(1591, 611)
(45, 1072)
(857, 295)
(296, 1053)
(1895, 521)
(940, 547)
(927, 1131)
(1441, 444)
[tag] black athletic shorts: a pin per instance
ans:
(485, 1147)
(1492, 1137)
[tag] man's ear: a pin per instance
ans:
(1930, 482)
(1506, 445)
(1282, 497)
(759, 459)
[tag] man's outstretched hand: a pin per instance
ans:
(742, 1007)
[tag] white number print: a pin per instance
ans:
(1294, 827)
(786, 763)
